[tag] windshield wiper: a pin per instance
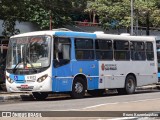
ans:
(31, 64)
(15, 68)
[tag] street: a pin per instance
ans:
(140, 101)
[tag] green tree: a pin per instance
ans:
(77, 11)
(9, 14)
(40, 12)
(116, 13)
(154, 15)
(111, 13)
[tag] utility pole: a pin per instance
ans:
(131, 17)
(50, 20)
(147, 23)
(50, 25)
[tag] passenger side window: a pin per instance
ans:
(121, 50)
(62, 50)
(149, 51)
(137, 50)
(104, 49)
(84, 49)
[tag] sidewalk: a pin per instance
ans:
(149, 87)
(5, 96)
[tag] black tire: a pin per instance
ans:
(40, 95)
(121, 91)
(130, 86)
(78, 88)
(97, 92)
(158, 87)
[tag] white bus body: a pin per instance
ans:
(73, 62)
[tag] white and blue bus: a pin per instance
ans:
(78, 62)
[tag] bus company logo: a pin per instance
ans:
(6, 114)
(15, 77)
(102, 67)
(21, 114)
(108, 67)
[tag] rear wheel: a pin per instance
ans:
(130, 86)
(40, 95)
(78, 88)
(96, 93)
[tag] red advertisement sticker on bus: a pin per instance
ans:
(108, 67)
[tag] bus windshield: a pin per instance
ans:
(28, 52)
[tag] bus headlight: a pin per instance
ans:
(41, 79)
(9, 79)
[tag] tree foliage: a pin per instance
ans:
(111, 13)
(116, 13)
(9, 13)
(40, 12)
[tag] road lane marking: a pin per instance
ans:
(94, 106)
(121, 118)
(119, 103)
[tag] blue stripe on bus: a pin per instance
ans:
(76, 34)
(87, 68)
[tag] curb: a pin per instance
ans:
(22, 97)
(11, 97)
(4, 96)
(151, 87)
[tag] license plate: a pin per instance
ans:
(24, 86)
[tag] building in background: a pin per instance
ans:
(23, 27)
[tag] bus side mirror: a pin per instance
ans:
(59, 47)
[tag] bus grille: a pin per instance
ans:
(30, 88)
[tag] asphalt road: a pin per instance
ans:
(67, 104)
(140, 101)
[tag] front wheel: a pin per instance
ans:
(78, 88)
(40, 95)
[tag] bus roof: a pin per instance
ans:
(34, 33)
(58, 33)
(87, 35)
(125, 37)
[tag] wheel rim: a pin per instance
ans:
(78, 87)
(130, 84)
